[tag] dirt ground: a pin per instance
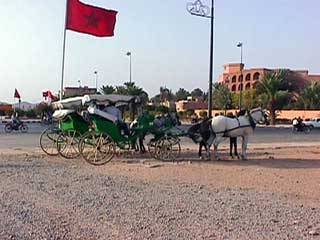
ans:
(291, 172)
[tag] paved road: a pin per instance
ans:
(274, 136)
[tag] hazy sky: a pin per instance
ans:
(169, 46)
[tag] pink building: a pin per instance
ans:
(232, 76)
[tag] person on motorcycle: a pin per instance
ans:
(15, 119)
(298, 124)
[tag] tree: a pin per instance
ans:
(108, 89)
(182, 94)
(165, 94)
(221, 96)
(197, 92)
(272, 92)
(309, 97)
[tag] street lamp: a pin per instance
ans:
(130, 69)
(240, 45)
(197, 8)
(96, 79)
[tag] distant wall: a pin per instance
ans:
(284, 114)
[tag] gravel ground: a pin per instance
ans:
(52, 198)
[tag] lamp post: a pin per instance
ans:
(197, 8)
(240, 45)
(130, 69)
(96, 79)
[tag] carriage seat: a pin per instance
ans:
(105, 115)
(62, 113)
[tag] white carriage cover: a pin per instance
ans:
(62, 113)
(69, 103)
(108, 116)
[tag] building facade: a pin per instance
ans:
(234, 78)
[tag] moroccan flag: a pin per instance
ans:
(89, 19)
(16, 94)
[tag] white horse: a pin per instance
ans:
(243, 126)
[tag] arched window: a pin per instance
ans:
(256, 76)
(240, 78)
(254, 85)
(234, 79)
(234, 88)
(240, 87)
(247, 87)
(248, 77)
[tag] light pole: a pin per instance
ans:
(96, 79)
(197, 8)
(130, 69)
(240, 45)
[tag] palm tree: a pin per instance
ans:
(222, 97)
(273, 92)
(309, 97)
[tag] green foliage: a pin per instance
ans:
(108, 89)
(189, 112)
(273, 92)
(222, 97)
(197, 92)
(126, 89)
(182, 94)
(309, 97)
(30, 113)
(203, 114)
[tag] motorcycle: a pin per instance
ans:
(21, 126)
(301, 128)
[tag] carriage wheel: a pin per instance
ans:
(48, 141)
(67, 145)
(97, 149)
(168, 148)
(152, 148)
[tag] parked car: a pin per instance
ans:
(313, 123)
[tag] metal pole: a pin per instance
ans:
(64, 49)
(241, 78)
(96, 79)
(211, 64)
(130, 69)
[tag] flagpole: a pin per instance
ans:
(64, 50)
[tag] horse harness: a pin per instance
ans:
(251, 121)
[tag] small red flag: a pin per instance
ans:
(16, 94)
(89, 19)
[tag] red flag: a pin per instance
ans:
(89, 19)
(51, 96)
(16, 94)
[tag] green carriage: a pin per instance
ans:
(99, 145)
(64, 139)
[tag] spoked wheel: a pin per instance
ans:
(67, 145)
(152, 148)
(8, 128)
(168, 148)
(48, 141)
(23, 128)
(97, 148)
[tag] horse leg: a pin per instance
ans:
(141, 145)
(200, 150)
(231, 146)
(244, 147)
(235, 147)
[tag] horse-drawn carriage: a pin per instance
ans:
(86, 130)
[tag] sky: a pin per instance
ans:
(169, 46)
